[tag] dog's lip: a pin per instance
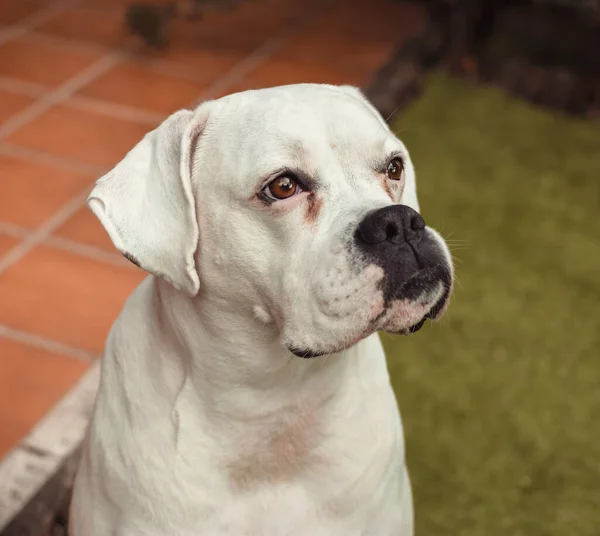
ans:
(438, 308)
(423, 279)
(305, 353)
(416, 327)
(433, 313)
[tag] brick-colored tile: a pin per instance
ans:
(30, 193)
(14, 11)
(141, 87)
(214, 43)
(355, 38)
(12, 103)
(42, 64)
(239, 31)
(7, 243)
(97, 24)
(112, 3)
(64, 296)
(382, 21)
(32, 381)
(339, 52)
(206, 62)
(81, 135)
(246, 28)
(84, 227)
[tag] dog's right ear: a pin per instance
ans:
(146, 203)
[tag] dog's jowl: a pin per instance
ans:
(244, 389)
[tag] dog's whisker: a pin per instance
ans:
(458, 282)
(396, 110)
(457, 260)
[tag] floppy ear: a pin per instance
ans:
(146, 203)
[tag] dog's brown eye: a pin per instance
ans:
(395, 169)
(282, 188)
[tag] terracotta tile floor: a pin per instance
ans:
(76, 93)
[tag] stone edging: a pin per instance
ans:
(35, 478)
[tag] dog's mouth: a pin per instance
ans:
(306, 353)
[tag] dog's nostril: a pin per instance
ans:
(417, 223)
(391, 231)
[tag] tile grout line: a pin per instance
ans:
(116, 110)
(28, 89)
(86, 251)
(158, 65)
(87, 104)
(240, 70)
(36, 36)
(16, 253)
(47, 159)
(15, 31)
(63, 92)
(12, 230)
(43, 343)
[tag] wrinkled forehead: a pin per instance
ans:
(295, 124)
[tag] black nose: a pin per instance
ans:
(395, 223)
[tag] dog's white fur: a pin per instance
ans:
(205, 424)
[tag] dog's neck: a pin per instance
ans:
(237, 365)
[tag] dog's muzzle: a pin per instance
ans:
(396, 239)
(416, 271)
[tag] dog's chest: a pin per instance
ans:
(294, 482)
(295, 511)
(278, 453)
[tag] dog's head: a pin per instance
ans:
(296, 205)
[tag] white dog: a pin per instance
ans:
(279, 225)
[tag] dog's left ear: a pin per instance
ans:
(146, 202)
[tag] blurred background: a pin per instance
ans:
(498, 102)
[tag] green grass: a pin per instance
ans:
(501, 399)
